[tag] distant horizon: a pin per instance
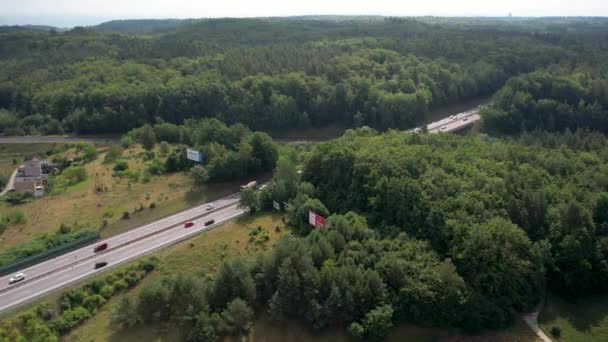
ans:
(70, 13)
(94, 21)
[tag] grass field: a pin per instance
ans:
(82, 204)
(580, 320)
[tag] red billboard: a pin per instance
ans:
(315, 219)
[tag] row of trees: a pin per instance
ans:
(48, 321)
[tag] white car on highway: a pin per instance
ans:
(209, 207)
(16, 278)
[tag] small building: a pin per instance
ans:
(32, 176)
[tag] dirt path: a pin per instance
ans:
(531, 320)
(9, 185)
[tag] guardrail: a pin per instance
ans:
(36, 258)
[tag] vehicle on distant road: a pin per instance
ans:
(465, 119)
(17, 278)
(100, 248)
(250, 185)
(100, 264)
(210, 222)
(188, 224)
(443, 128)
(263, 186)
(209, 207)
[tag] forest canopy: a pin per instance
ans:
(269, 74)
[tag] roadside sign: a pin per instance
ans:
(195, 155)
(276, 205)
(315, 219)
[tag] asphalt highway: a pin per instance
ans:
(456, 124)
(79, 264)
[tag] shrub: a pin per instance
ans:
(64, 229)
(121, 165)
(74, 174)
(164, 148)
(152, 205)
(556, 331)
(126, 141)
(125, 315)
(125, 215)
(120, 285)
(107, 291)
(155, 167)
(89, 152)
(149, 264)
(113, 153)
(147, 155)
(16, 198)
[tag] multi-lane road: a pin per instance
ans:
(454, 122)
(68, 268)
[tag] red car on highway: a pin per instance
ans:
(188, 224)
(100, 248)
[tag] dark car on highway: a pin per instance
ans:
(210, 222)
(100, 248)
(100, 264)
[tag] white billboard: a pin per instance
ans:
(195, 155)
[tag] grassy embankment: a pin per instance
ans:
(584, 320)
(83, 205)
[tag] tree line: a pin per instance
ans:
(229, 152)
(381, 73)
(553, 99)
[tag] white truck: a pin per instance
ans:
(251, 185)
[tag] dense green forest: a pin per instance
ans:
(436, 230)
(272, 74)
(553, 99)
(229, 152)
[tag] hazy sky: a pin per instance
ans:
(90, 12)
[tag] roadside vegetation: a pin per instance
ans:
(48, 321)
(198, 258)
(112, 188)
(575, 319)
